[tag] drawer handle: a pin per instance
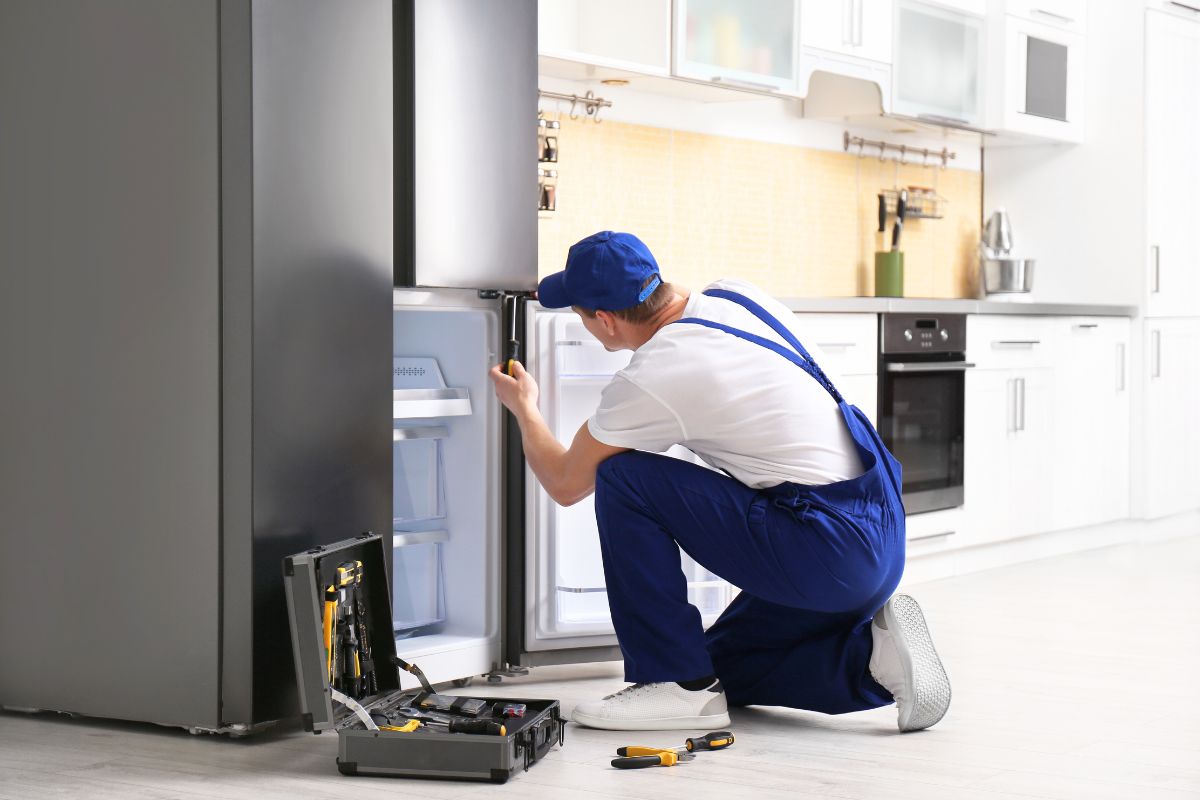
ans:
(1087, 326)
(938, 535)
(1052, 15)
(843, 345)
(1016, 342)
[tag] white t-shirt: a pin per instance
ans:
(739, 406)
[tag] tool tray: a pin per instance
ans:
(428, 751)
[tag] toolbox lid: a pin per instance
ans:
(305, 576)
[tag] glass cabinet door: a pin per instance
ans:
(938, 64)
(740, 43)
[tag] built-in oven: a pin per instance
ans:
(922, 370)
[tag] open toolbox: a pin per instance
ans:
(338, 594)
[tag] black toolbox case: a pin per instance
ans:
(426, 752)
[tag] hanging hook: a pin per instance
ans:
(574, 101)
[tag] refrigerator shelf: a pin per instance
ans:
(425, 403)
(406, 538)
(709, 584)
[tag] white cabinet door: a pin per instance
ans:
(1038, 86)
(937, 71)
(1172, 164)
(1172, 428)
(751, 45)
(859, 28)
(1007, 432)
(623, 34)
(1092, 423)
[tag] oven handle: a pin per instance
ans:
(923, 366)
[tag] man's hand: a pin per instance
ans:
(518, 393)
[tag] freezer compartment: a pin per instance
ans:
(566, 598)
(446, 482)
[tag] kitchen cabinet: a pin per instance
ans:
(1091, 448)
(1172, 165)
(747, 45)
(846, 346)
(852, 38)
(632, 35)
(1169, 423)
(858, 28)
(1037, 71)
(1009, 453)
(937, 64)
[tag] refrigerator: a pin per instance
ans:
(196, 271)
(490, 576)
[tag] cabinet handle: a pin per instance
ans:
(1185, 6)
(740, 84)
(848, 22)
(1016, 342)
(1052, 15)
(1120, 366)
(1010, 406)
(843, 345)
(1157, 272)
(1021, 407)
(858, 39)
(1087, 325)
(1156, 361)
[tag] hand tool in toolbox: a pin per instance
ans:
(349, 678)
(638, 756)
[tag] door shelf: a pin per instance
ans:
(407, 538)
(430, 403)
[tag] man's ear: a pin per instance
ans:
(608, 320)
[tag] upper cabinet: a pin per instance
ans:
(1037, 68)
(1172, 165)
(747, 45)
(630, 35)
(847, 37)
(937, 63)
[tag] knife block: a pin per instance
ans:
(889, 273)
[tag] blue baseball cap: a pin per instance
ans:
(606, 271)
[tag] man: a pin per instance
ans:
(804, 516)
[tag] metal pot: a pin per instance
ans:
(1007, 275)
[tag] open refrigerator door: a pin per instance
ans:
(446, 504)
(566, 602)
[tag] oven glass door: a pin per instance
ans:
(921, 422)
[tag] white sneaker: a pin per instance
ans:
(657, 707)
(904, 661)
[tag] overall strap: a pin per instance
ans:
(799, 357)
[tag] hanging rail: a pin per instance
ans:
(591, 104)
(925, 153)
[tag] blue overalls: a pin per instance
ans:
(814, 563)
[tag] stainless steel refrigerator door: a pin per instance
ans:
(467, 153)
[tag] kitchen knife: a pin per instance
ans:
(882, 222)
(901, 204)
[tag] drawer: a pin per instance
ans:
(1004, 341)
(1067, 15)
(842, 344)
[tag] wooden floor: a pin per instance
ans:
(1074, 677)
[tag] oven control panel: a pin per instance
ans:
(923, 333)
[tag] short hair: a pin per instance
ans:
(643, 311)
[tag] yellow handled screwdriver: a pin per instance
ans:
(718, 740)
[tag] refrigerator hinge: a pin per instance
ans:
(506, 670)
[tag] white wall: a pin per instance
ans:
(1079, 209)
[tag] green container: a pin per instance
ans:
(889, 273)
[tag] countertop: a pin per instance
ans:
(919, 305)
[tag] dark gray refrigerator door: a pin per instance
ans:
(109, 321)
(466, 100)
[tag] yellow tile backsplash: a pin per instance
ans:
(796, 221)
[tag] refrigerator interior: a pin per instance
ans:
(566, 602)
(445, 483)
